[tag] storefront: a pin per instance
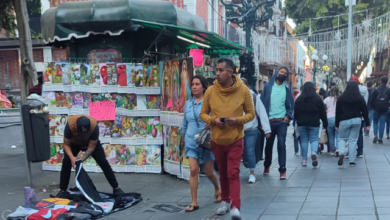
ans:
(137, 56)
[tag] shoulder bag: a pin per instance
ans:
(204, 138)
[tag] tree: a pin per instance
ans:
(16, 10)
(302, 10)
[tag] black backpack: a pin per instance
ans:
(381, 103)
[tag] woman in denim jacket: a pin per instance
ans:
(192, 125)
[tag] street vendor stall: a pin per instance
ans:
(135, 57)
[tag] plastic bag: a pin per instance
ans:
(4, 102)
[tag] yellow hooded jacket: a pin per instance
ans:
(226, 103)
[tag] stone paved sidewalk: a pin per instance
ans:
(328, 192)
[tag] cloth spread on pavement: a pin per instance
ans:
(87, 203)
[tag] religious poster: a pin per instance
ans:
(166, 91)
(104, 56)
(186, 72)
(175, 85)
(172, 138)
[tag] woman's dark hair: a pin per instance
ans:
(322, 92)
(334, 92)
(308, 98)
(351, 93)
(202, 80)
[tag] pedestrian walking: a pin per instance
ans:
(350, 108)
(192, 125)
(309, 109)
(365, 94)
(296, 136)
(370, 108)
(330, 103)
(279, 103)
(227, 100)
(251, 133)
(331, 85)
(81, 133)
(322, 93)
(380, 102)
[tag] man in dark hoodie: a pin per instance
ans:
(380, 101)
(279, 104)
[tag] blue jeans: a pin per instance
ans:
(370, 118)
(333, 134)
(308, 134)
(297, 141)
(379, 120)
(278, 129)
(249, 148)
(360, 140)
(349, 132)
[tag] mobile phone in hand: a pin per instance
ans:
(222, 120)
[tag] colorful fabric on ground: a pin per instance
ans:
(21, 213)
(57, 201)
(46, 214)
(74, 216)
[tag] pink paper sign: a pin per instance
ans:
(197, 55)
(169, 103)
(102, 111)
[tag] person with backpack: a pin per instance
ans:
(350, 108)
(251, 133)
(370, 87)
(380, 102)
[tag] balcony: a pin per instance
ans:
(228, 31)
(274, 51)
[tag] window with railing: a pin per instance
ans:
(35, 24)
(228, 31)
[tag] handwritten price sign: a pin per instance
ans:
(102, 111)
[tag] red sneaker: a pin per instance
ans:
(266, 170)
(283, 175)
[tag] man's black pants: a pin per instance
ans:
(100, 158)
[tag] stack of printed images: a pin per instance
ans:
(150, 102)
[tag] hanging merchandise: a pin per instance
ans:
(132, 139)
(176, 90)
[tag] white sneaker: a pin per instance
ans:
(224, 208)
(297, 154)
(252, 179)
(235, 214)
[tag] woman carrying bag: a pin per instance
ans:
(192, 127)
(308, 111)
(350, 108)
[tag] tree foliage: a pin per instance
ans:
(7, 15)
(302, 10)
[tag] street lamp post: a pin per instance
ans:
(314, 57)
(304, 66)
(325, 58)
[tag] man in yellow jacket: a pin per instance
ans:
(227, 100)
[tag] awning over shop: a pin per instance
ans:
(81, 19)
(381, 73)
(202, 38)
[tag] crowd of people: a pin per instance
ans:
(239, 120)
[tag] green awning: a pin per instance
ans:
(113, 17)
(211, 39)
